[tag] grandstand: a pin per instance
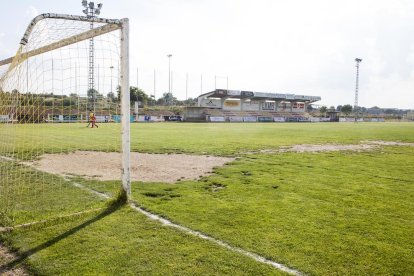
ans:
(223, 105)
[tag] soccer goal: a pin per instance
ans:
(64, 118)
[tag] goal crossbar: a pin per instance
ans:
(68, 41)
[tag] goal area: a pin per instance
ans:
(64, 97)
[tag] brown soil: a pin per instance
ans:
(388, 143)
(364, 146)
(6, 257)
(145, 167)
(327, 147)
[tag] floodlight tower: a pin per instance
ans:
(169, 73)
(358, 60)
(91, 12)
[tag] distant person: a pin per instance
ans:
(91, 115)
(94, 121)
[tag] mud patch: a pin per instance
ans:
(145, 167)
(7, 257)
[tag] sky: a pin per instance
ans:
(296, 46)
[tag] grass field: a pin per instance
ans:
(347, 213)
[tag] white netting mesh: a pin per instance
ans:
(45, 105)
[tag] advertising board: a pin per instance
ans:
(267, 106)
(217, 119)
(265, 119)
(236, 119)
(4, 118)
(247, 94)
(211, 103)
(249, 119)
(231, 105)
(298, 107)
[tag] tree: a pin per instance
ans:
(93, 93)
(323, 110)
(339, 108)
(111, 96)
(137, 94)
(346, 109)
(167, 99)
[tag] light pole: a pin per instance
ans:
(169, 72)
(111, 76)
(357, 60)
(91, 12)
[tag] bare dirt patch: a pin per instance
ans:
(363, 146)
(145, 167)
(7, 257)
(388, 143)
(327, 147)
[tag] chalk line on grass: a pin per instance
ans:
(187, 230)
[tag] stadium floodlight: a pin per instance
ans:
(169, 72)
(112, 68)
(91, 12)
(357, 60)
(98, 9)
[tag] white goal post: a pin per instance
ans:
(104, 26)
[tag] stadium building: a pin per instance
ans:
(223, 105)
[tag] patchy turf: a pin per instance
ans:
(320, 213)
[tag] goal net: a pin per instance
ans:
(69, 74)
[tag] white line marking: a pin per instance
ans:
(187, 230)
(251, 255)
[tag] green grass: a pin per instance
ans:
(220, 139)
(344, 213)
(124, 242)
(28, 196)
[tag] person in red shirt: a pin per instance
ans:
(93, 120)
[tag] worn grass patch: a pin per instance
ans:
(326, 213)
(320, 213)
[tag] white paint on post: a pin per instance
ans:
(125, 108)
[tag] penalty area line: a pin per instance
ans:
(187, 230)
(198, 234)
